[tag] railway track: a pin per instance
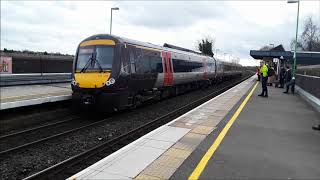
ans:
(75, 163)
(24, 139)
(19, 119)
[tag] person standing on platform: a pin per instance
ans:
(271, 74)
(288, 80)
(282, 73)
(264, 80)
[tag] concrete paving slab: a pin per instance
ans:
(157, 144)
(106, 176)
(134, 162)
(84, 174)
(111, 159)
(25, 95)
(28, 90)
(171, 134)
(183, 125)
(272, 138)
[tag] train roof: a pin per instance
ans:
(119, 39)
(172, 48)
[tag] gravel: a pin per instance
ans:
(14, 120)
(22, 164)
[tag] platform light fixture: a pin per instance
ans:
(114, 8)
(296, 42)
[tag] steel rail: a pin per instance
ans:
(2, 153)
(37, 128)
(134, 134)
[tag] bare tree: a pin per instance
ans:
(299, 45)
(311, 35)
(206, 45)
(309, 39)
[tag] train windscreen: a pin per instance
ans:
(95, 58)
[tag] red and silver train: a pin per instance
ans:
(112, 72)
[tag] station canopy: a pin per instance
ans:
(303, 57)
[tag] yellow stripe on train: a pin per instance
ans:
(98, 42)
(92, 79)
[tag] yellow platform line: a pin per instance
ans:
(203, 162)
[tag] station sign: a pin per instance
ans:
(5, 65)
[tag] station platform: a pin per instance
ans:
(235, 135)
(25, 95)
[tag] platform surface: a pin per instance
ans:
(158, 154)
(271, 139)
(24, 95)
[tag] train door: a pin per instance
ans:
(168, 69)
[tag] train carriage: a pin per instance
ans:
(111, 72)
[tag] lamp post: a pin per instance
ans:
(115, 8)
(295, 46)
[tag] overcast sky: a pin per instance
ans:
(237, 26)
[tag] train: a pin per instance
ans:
(113, 73)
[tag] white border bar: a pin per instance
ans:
(29, 102)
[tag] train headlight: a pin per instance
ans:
(74, 82)
(110, 81)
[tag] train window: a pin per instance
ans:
(104, 55)
(86, 50)
(143, 64)
(177, 65)
(125, 62)
(226, 67)
(159, 65)
(155, 64)
(210, 66)
(124, 68)
(132, 63)
(84, 56)
(186, 66)
(218, 64)
(145, 61)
